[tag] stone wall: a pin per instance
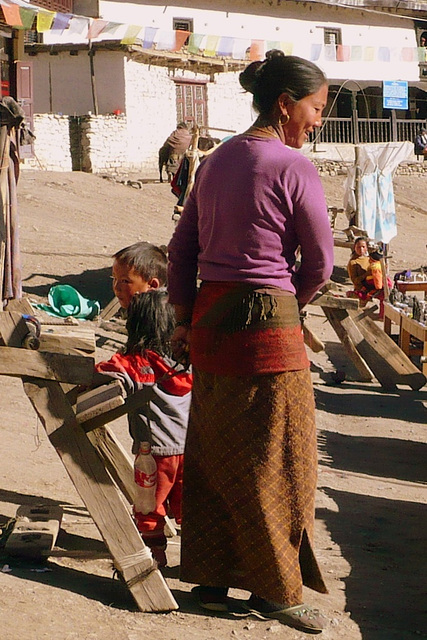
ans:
(52, 144)
(229, 106)
(102, 144)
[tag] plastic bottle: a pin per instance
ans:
(145, 469)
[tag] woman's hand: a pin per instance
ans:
(180, 343)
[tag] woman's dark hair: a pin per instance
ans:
(278, 74)
(150, 322)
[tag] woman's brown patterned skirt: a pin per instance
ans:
(250, 470)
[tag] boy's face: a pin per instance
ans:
(126, 282)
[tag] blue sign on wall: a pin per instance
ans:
(395, 94)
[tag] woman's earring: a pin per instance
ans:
(287, 118)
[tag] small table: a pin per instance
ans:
(407, 327)
(410, 327)
(404, 286)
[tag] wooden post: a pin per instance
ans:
(92, 79)
(356, 219)
(101, 497)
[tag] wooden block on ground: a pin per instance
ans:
(35, 531)
(110, 310)
(99, 400)
(68, 339)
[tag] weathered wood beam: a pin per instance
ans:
(49, 366)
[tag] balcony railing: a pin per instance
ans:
(343, 130)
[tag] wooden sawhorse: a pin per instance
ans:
(96, 463)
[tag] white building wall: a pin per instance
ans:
(229, 107)
(290, 22)
(150, 110)
(62, 83)
(52, 144)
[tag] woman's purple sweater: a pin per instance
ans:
(253, 202)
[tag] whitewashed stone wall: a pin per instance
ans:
(229, 107)
(52, 143)
(103, 144)
(150, 111)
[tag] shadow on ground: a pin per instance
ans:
(383, 541)
(94, 284)
(397, 406)
(382, 457)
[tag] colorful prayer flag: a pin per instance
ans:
(96, 28)
(287, 48)
(330, 51)
(149, 35)
(61, 22)
(44, 20)
(369, 54)
(343, 53)
(315, 52)
(132, 32)
(257, 50)
(383, 54)
(11, 14)
(27, 17)
(165, 40)
(240, 49)
(356, 53)
(180, 38)
(211, 46)
(194, 42)
(78, 25)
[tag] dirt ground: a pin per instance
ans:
(371, 500)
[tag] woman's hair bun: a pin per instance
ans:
(273, 54)
(248, 77)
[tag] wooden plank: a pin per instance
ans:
(116, 459)
(101, 497)
(414, 327)
(67, 339)
(120, 466)
(99, 400)
(13, 328)
(388, 362)
(335, 316)
(50, 366)
(23, 305)
(110, 310)
(133, 402)
(336, 302)
(311, 340)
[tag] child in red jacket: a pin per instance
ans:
(163, 420)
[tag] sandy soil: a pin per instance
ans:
(371, 513)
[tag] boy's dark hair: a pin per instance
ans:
(148, 260)
(150, 323)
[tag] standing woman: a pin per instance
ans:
(251, 462)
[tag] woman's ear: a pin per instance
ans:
(283, 102)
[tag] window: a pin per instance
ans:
(332, 36)
(183, 24)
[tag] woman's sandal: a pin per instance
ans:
(300, 616)
(211, 598)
